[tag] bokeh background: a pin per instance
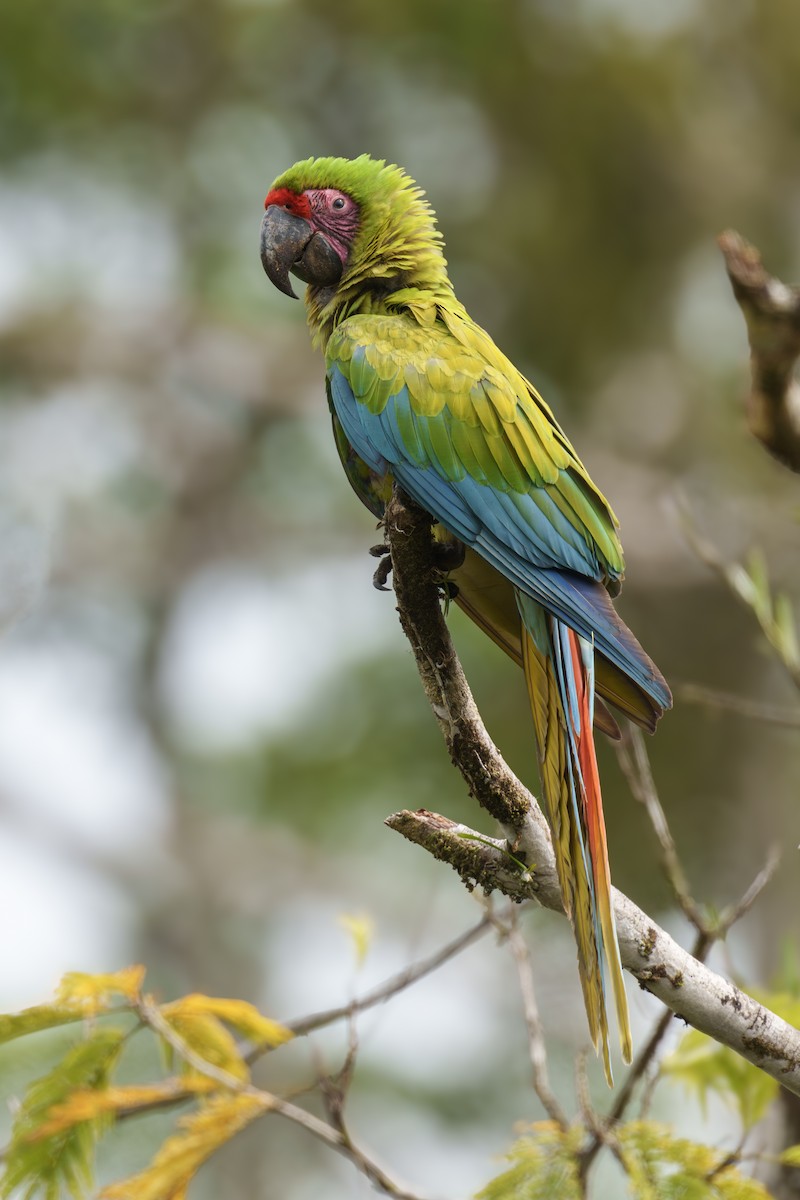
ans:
(205, 708)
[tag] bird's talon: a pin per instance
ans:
(382, 573)
(380, 550)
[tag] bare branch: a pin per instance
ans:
(687, 987)
(633, 758)
(734, 912)
(384, 991)
(334, 1135)
(771, 311)
(339, 1140)
(537, 1048)
(150, 1015)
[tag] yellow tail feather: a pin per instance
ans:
(577, 836)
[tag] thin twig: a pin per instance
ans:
(537, 1048)
(751, 710)
(150, 1015)
(734, 912)
(635, 764)
(342, 1143)
(337, 1138)
(600, 1129)
(390, 987)
(306, 1025)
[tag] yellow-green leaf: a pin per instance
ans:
(790, 1157)
(93, 993)
(88, 1104)
(41, 1016)
(361, 930)
(544, 1163)
(62, 1158)
(181, 1156)
(705, 1066)
(786, 630)
(660, 1165)
(244, 1017)
(206, 1037)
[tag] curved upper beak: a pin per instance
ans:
(284, 237)
(290, 243)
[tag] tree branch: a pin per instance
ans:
(525, 868)
(537, 1048)
(771, 311)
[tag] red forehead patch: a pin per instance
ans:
(298, 204)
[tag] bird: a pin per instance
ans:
(420, 396)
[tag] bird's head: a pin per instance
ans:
(334, 222)
(309, 233)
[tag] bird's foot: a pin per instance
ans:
(384, 567)
(448, 556)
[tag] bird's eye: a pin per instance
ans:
(338, 202)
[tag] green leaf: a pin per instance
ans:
(761, 601)
(704, 1066)
(544, 1164)
(786, 630)
(32, 1020)
(663, 1167)
(46, 1165)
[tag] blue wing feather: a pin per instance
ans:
(516, 533)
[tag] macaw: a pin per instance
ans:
(419, 394)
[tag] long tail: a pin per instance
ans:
(559, 671)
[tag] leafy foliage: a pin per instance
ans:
(705, 1066)
(78, 996)
(241, 1016)
(181, 1156)
(543, 1163)
(773, 612)
(65, 1112)
(663, 1167)
(659, 1166)
(45, 1158)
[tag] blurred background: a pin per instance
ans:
(205, 708)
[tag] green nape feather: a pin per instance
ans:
(398, 244)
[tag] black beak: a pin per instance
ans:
(289, 243)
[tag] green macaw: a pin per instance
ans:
(420, 394)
